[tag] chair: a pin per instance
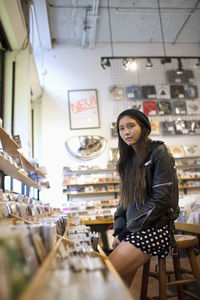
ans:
(187, 242)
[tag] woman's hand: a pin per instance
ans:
(116, 242)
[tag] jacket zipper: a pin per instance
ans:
(145, 214)
(161, 184)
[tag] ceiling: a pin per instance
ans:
(87, 23)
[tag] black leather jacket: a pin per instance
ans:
(161, 203)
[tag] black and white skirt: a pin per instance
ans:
(153, 241)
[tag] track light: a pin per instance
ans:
(165, 60)
(180, 70)
(129, 64)
(105, 62)
(149, 64)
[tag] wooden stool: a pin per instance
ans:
(187, 242)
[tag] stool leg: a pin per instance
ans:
(162, 278)
(177, 271)
(194, 266)
(145, 279)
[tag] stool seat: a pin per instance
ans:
(185, 241)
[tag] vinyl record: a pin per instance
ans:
(149, 108)
(133, 92)
(177, 91)
(191, 92)
(148, 91)
(163, 91)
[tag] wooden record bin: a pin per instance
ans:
(39, 281)
(36, 287)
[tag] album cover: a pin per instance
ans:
(186, 77)
(148, 91)
(137, 105)
(155, 128)
(193, 107)
(17, 139)
(181, 127)
(18, 161)
(149, 108)
(116, 92)
(113, 127)
(191, 92)
(163, 91)
(177, 91)
(164, 107)
(193, 126)
(39, 247)
(133, 92)
(191, 150)
(177, 151)
(179, 107)
(167, 127)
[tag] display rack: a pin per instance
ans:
(188, 169)
(8, 167)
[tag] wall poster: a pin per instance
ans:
(83, 109)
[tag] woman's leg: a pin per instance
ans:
(126, 259)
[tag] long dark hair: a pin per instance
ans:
(131, 168)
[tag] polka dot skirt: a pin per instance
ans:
(153, 241)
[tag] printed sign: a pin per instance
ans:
(83, 109)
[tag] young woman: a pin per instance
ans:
(143, 223)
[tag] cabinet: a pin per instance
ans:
(14, 164)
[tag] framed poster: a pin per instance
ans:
(83, 109)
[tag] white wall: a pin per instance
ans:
(72, 68)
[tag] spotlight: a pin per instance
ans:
(149, 64)
(198, 63)
(105, 62)
(129, 64)
(180, 70)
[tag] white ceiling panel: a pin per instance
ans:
(77, 22)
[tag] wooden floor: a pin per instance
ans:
(153, 283)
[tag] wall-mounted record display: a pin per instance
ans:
(116, 92)
(137, 105)
(191, 92)
(191, 150)
(167, 127)
(164, 107)
(163, 91)
(148, 91)
(186, 77)
(113, 127)
(193, 126)
(193, 107)
(177, 91)
(149, 108)
(177, 151)
(155, 128)
(180, 127)
(179, 107)
(133, 92)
